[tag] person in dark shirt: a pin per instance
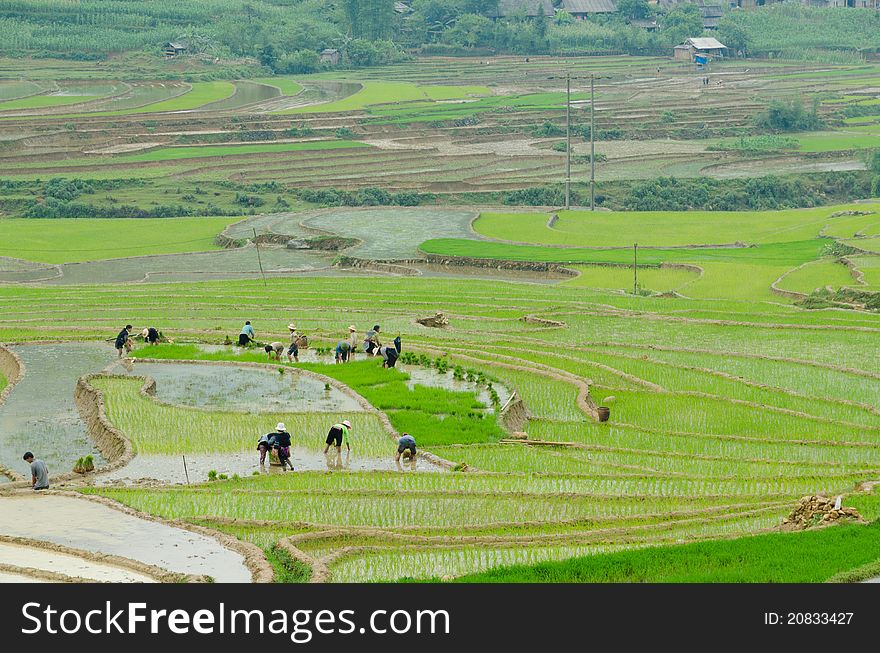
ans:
(282, 445)
(123, 340)
(152, 335)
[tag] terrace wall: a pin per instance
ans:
(111, 442)
(12, 368)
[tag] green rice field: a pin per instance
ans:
(735, 351)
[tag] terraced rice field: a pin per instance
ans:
(729, 399)
(724, 413)
(471, 127)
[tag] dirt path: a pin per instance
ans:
(91, 526)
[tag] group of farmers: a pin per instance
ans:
(345, 348)
(279, 441)
(338, 435)
(124, 343)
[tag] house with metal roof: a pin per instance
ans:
(700, 49)
(583, 9)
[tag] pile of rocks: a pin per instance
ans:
(819, 511)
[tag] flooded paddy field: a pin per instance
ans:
(94, 527)
(243, 389)
(40, 414)
(158, 469)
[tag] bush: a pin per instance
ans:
(789, 116)
(66, 190)
(299, 63)
(874, 161)
(548, 129)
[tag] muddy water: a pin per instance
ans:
(69, 565)
(393, 233)
(40, 414)
(161, 469)
(243, 389)
(90, 526)
(246, 93)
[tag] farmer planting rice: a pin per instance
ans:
(371, 340)
(123, 340)
(337, 435)
(264, 444)
(274, 350)
(406, 446)
(343, 351)
(281, 443)
(247, 335)
(151, 335)
(293, 349)
(39, 472)
(389, 355)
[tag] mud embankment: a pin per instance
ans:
(12, 369)
(111, 442)
(500, 264)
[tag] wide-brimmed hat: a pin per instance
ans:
(280, 427)
(291, 326)
(346, 423)
(352, 328)
(145, 332)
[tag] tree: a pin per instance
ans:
(470, 31)
(562, 17)
(268, 57)
(369, 19)
(484, 7)
(874, 162)
(540, 25)
(734, 36)
(361, 52)
(683, 22)
(634, 9)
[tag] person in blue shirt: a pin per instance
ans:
(247, 335)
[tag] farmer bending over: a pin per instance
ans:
(406, 443)
(247, 335)
(371, 340)
(293, 350)
(264, 444)
(343, 351)
(274, 350)
(389, 355)
(338, 434)
(282, 446)
(123, 340)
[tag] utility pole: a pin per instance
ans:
(259, 260)
(568, 140)
(592, 143)
(635, 268)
